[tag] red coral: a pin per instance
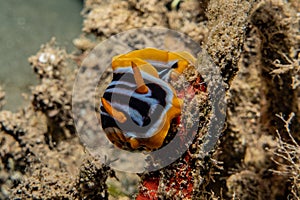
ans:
(149, 189)
(181, 181)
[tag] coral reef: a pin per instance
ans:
(253, 103)
(13, 151)
(256, 46)
(91, 179)
(53, 95)
(106, 19)
(277, 30)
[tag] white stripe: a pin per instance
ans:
(129, 93)
(169, 97)
(119, 82)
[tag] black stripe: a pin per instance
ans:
(175, 65)
(135, 102)
(128, 77)
(107, 121)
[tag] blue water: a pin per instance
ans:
(25, 25)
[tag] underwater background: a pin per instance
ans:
(25, 25)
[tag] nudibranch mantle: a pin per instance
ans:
(139, 104)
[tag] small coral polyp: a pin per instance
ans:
(139, 105)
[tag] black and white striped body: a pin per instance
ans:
(136, 118)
